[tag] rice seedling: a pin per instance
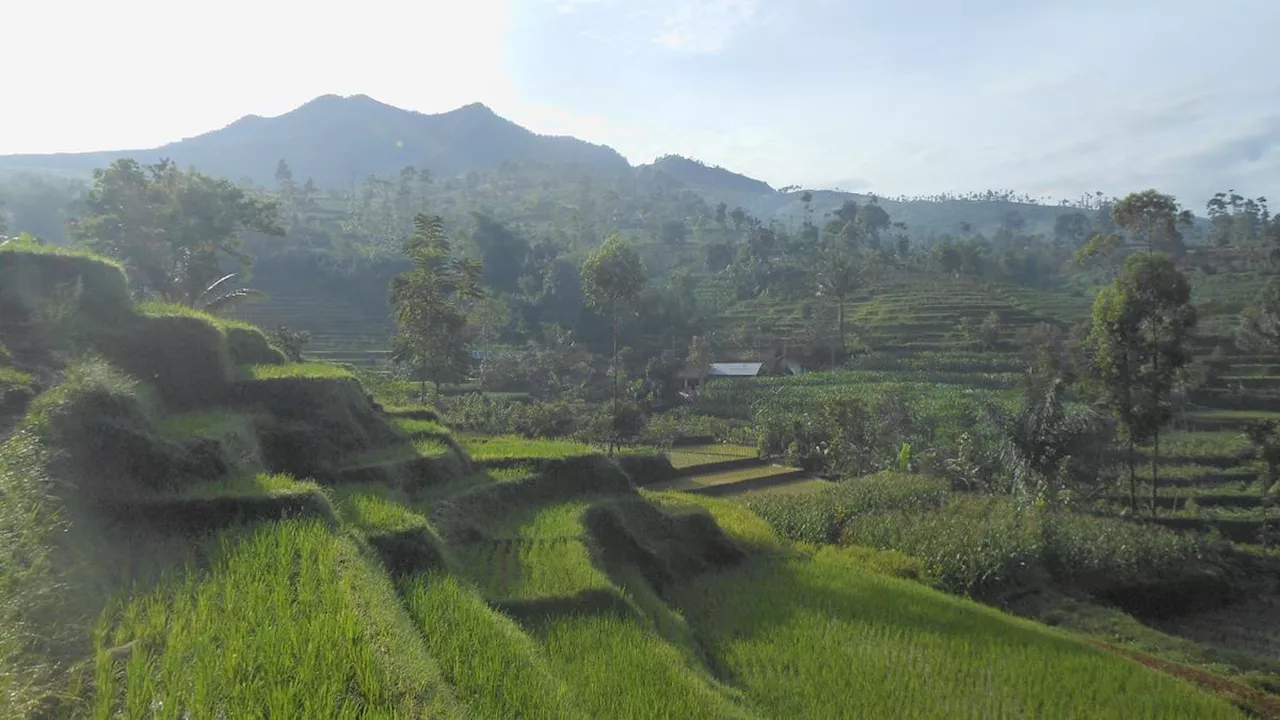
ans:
(514, 447)
(311, 370)
(276, 627)
(614, 668)
(422, 428)
(818, 637)
(493, 665)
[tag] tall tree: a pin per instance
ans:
(173, 229)
(612, 276)
(1140, 338)
(430, 301)
(839, 270)
(700, 357)
(284, 182)
(1153, 219)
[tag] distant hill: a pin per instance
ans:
(698, 176)
(338, 141)
(334, 140)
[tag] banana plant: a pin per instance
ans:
(217, 298)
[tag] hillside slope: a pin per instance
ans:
(163, 555)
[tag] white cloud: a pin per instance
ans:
(704, 26)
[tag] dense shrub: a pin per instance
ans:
(972, 546)
(249, 346)
(666, 428)
(983, 545)
(821, 517)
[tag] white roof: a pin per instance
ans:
(735, 369)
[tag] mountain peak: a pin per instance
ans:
(333, 138)
(700, 176)
(476, 107)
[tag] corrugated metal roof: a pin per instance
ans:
(735, 369)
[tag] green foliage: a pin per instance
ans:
(1139, 339)
(172, 228)
(220, 297)
(291, 342)
(1258, 329)
(1154, 219)
(429, 301)
(821, 517)
(850, 423)
(1052, 447)
(250, 347)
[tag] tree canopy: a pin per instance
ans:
(175, 230)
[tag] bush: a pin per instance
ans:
(666, 428)
(821, 517)
(972, 546)
(249, 346)
(985, 545)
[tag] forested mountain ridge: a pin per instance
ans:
(337, 141)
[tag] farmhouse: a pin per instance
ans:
(735, 369)
(692, 377)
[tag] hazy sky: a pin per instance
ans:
(911, 96)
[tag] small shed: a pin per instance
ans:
(735, 369)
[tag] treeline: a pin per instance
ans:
(532, 226)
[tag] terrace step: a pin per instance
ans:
(1178, 502)
(719, 466)
(733, 481)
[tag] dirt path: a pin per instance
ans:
(1252, 701)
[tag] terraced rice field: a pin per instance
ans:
(694, 455)
(732, 481)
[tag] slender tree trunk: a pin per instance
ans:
(840, 321)
(1133, 479)
(422, 386)
(1155, 405)
(613, 425)
(1155, 474)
